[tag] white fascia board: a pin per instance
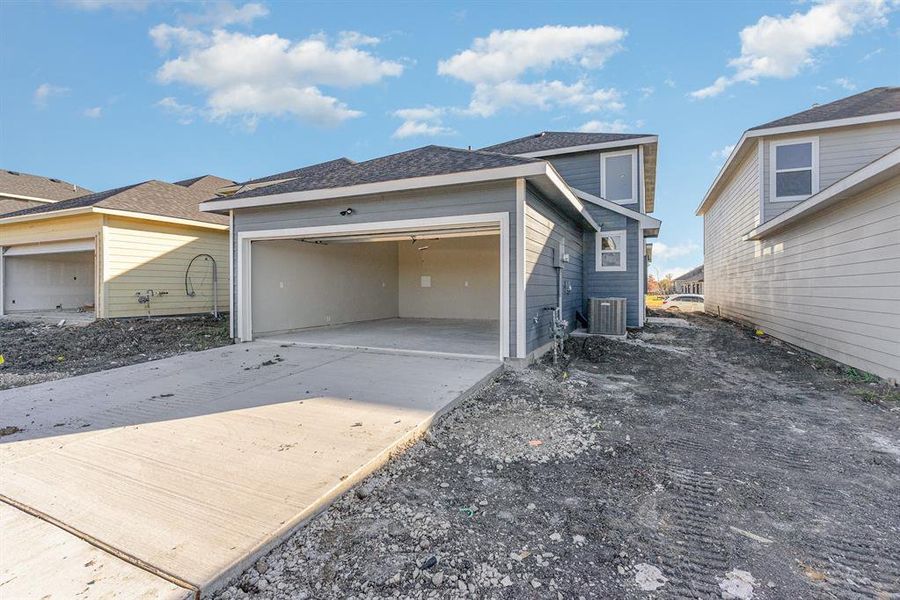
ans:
(650, 139)
(161, 218)
(57, 247)
(382, 187)
(46, 215)
(646, 221)
(568, 193)
(755, 133)
(30, 198)
(886, 166)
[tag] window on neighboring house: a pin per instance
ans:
(618, 176)
(795, 169)
(611, 251)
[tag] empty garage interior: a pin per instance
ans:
(48, 281)
(431, 292)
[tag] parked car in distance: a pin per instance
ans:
(684, 302)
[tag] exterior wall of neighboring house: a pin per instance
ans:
(842, 151)
(545, 228)
(464, 278)
(688, 287)
(139, 255)
(452, 201)
(297, 285)
(827, 282)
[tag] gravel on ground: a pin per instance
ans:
(35, 352)
(700, 461)
(703, 461)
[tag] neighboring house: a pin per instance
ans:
(210, 184)
(491, 238)
(109, 252)
(802, 231)
(21, 190)
(691, 282)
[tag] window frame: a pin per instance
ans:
(634, 175)
(773, 170)
(623, 252)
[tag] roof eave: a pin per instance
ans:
(646, 221)
(223, 205)
(648, 139)
(68, 212)
(872, 174)
(710, 197)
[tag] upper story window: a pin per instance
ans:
(794, 166)
(610, 252)
(618, 176)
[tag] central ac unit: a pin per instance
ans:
(606, 316)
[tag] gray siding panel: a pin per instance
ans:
(614, 284)
(419, 204)
(581, 170)
(545, 228)
(841, 152)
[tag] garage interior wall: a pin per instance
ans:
(43, 281)
(463, 278)
(298, 284)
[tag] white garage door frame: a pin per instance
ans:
(244, 262)
(57, 247)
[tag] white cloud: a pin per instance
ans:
(222, 14)
(672, 272)
(185, 113)
(93, 113)
(872, 54)
(423, 121)
(45, 91)
(722, 154)
(781, 47)
(251, 76)
(845, 83)
(617, 126)
(497, 65)
(647, 91)
(135, 5)
(663, 252)
(670, 82)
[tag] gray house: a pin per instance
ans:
(690, 283)
(802, 231)
(444, 249)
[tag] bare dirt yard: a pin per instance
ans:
(36, 352)
(689, 462)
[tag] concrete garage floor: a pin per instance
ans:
(198, 463)
(465, 337)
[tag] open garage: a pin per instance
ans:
(433, 290)
(49, 277)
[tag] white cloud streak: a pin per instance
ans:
(93, 113)
(781, 47)
(45, 91)
(426, 121)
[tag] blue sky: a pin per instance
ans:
(105, 93)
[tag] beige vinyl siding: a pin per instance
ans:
(830, 283)
(841, 152)
(140, 255)
(56, 229)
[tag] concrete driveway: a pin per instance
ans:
(161, 479)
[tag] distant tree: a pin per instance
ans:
(652, 285)
(666, 284)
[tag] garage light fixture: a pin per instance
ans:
(346, 212)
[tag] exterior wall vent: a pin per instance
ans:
(606, 316)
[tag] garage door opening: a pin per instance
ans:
(49, 279)
(436, 292)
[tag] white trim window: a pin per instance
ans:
(618, 176)
(610, 254)
(794, 168)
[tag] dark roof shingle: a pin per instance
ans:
(695, 274)
(206, 183)
(311, 170)
(150, 197)
(35, 186)
(420, 162)
(553, 140)
(872, 102)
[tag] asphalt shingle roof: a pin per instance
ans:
(420, 162)
(552, 140)
(150, 197)
(872, 102)
(311, 170)
(35, 186)
(206, 183)
(695, 274)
